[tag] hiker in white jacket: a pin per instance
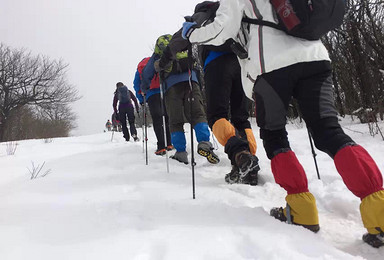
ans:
(279, 67)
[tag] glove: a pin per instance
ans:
(160, 66)
(188, 28)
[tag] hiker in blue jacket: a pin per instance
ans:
(155, 107)
(176, 86)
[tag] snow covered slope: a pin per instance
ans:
(100, 201)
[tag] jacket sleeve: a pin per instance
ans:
(147, 74)
(134, 99)
(226, 24)
(115, 103)
(136, 86)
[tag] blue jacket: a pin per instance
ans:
(212, 56)
(137, 87)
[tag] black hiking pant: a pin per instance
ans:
(310, 83)
(226, 99)
(124, 114)
(154, 103)
(224, 92)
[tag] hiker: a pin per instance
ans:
(124, 97)
(153, 98)
(277, 67)
(177, 92)
(225, 96)
(108, 125)
(116, 124)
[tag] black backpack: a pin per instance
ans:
(123, 95)
(178, 61)
(307, 19)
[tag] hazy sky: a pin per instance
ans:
(101, 40)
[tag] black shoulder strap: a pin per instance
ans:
(262, 22)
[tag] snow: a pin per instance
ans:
(100, 201)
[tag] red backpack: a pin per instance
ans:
(155, 83)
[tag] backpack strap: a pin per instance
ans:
(262, 22)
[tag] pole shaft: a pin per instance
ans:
(164, 121)
(313, 153)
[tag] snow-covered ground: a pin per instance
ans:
(100, 201)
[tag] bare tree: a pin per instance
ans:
(31, 80)
(357, 53)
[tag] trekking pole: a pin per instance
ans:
(163, 112)
(313, 153)
(112, 135)
(145, 131)
(289, 216)
(190, 64)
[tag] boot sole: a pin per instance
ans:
(210, 157)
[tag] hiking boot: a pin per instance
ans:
(233, 176)
(135, 138)
(181, 157)
(251, 179)
(374, 240)
(170, 148)
(278, 213)
(160, 151)
(205, 149)
(248, 167)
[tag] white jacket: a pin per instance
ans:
(268, 48)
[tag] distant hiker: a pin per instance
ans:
(176, 85)
(108, 125)
(116, 124)
(126, 111)
(154, 102)
(226, 101)
(277, 67)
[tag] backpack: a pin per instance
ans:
(123, 95)
(178, 65)
(307, 19)
(155, 83)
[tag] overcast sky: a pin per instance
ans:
(101, 40)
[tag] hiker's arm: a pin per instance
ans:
(147, 74)
(178, 43)
(226, 24)
(115, 103)
(134, 100)
(136, 86)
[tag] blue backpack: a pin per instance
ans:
(123, 95)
